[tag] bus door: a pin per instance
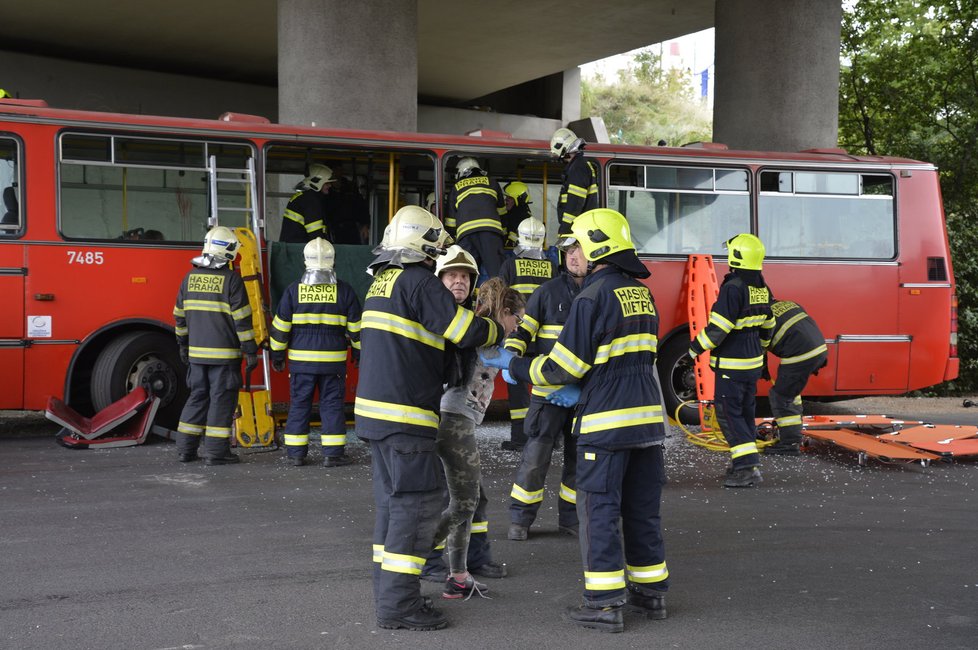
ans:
(12, 317)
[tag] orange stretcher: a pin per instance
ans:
(946, 440)
(701, 292)
(869, 446)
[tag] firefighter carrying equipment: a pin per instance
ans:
(254, 425)
(123, 423)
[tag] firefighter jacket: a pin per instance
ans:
(315, 323)
(544, 318)
(475, 204)
(305, 217)
(740, 327)
(796, 336)
(512, 220)
(408, 317)
(608, 346)
(579, 192)
(526, 274)
(213, 317)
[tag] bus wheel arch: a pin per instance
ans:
(676, 376)
(120, 359)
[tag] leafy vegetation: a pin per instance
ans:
(647, 103)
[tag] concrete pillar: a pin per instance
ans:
(348, 64)
(570, 101)
(777, 74)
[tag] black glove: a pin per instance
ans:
(251, 361)
(278, 365)
(765, 372)
(185, 355)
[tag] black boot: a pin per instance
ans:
(227, 459)
(782, 448)
(654, 607)
(603, 619)
(743, 477)
(422, 620)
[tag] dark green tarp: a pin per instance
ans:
(286, 265)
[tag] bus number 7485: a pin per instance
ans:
(85, 257)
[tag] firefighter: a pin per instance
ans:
(408, 317)
(605, 360)
(517, 198)
(463, 406)
(547, 424)
(527, 271)
(739, 329)
(318, 318)
(475, 206)
(305, 215)
(213, 328)
(579, 192)
(801, 347)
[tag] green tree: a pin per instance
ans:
(646, 104)
(909, 87)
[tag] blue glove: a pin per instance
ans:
(566, 396)
(496, 357)
(508, 378)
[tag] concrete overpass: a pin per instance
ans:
(428, 65)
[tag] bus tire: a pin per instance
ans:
(677, 379)
(147, 359)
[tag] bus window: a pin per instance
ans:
(146, 189)
(11, 222)
(827, 215)
(680, 210)
(367, 179)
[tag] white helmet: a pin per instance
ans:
(564, 142)
(429, 202)
(456, 257)
(465, 167)
(319, 256)
(413, 235)
(319, 175)
(531, 233)
(220, 245)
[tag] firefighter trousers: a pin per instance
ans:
(545, 425)
(734, 402)
(519, 401)
(408, 483)
(209, 411)
(625, 486)
(302, 391)
(785, 396)
(487, 249)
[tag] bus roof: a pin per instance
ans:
(37, 111)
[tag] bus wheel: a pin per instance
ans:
(147, 359)
(678, 380)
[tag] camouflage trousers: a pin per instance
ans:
(458, 452)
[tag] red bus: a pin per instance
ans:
(103, 212)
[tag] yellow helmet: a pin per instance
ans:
(601, 232)
(564, 142)
(319, 175)
(745, 251)
(4, 94)
(519, 192)
(456, 257)
(416, 234)
(465, 167)
(318, 255)
(221, 244)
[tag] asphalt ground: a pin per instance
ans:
(127, 548)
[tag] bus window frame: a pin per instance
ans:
(715, 166)
(21, 154)
(895, 214)
(245, 141)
